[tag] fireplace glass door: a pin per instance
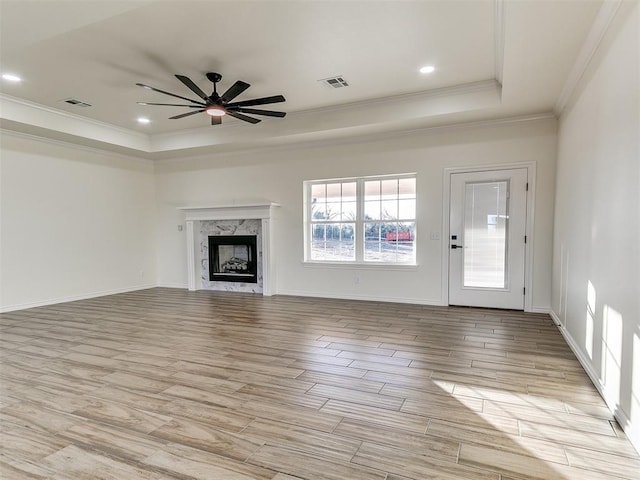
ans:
(233, 258)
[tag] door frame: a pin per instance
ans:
(529, 224)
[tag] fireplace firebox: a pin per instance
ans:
(233, 258)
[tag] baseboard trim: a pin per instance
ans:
(546, 310)
(555, 318)
(173, 285)
(619, 415)
(73, 298)
(368, 298)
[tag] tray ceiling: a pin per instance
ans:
(492, 59)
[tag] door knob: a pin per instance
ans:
(453, 247)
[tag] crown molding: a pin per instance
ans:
(76, 146)
(17, 111)
(428, 130)
(73, 116)
(365, 137)
(206, 152)
(499, 40)
(589, 48)
(454, 90)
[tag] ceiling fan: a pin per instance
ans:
(217, 105)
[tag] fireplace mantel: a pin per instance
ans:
(230, 212)
(258, 211)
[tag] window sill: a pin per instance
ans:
(361, 265)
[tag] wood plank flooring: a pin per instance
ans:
(170, 384)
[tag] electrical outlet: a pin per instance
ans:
(179, 228)
(435, 236)
(356, 280)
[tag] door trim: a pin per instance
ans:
(529, 224)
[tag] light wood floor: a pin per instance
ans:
(166, 383)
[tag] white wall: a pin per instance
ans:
(74, 223)
(596, 262)
(277, 175)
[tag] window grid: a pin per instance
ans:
(333, 221)
(361, 220)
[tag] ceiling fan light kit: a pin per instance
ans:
(215, 111)
(217, 105)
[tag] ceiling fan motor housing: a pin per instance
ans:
(214, 77)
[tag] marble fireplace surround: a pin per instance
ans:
(258, 211)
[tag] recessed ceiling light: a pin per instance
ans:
(427, 69)
(143, 120)
(11, 78)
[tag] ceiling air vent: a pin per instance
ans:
(76, 102)
(334, 82)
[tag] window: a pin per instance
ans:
(361, 220)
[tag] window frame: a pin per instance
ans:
(359, 223)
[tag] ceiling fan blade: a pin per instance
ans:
(258, 101)
(234, 90)
(167, 93)
(215, 120)
(171, 104)
(193, 87)
(182, 115)
(240, 116)
(253, 111)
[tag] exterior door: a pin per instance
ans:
(487, 224)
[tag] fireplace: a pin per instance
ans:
(233, 258)
(235, 219)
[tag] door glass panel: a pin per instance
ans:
(485, 234)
